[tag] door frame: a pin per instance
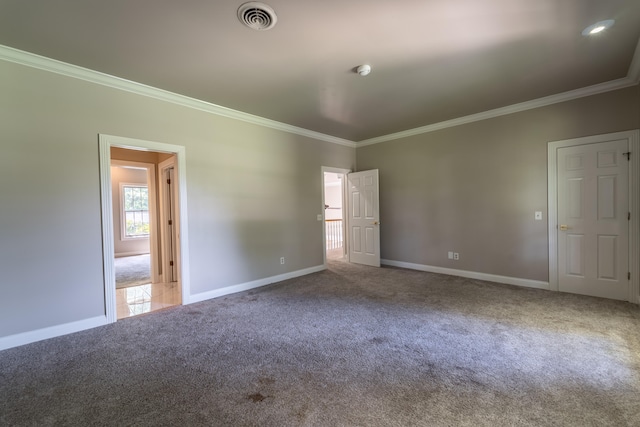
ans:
(105, 142)
(633, 138)
(345, 235)
(163, 198)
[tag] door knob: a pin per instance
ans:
(564, 227)
(376, 222)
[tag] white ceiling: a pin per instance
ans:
(432, 60)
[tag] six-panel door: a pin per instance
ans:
(364, 218)
(592, 219)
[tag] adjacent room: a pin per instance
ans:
(320, 213)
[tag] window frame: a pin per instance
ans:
(123, 213)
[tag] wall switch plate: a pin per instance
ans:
(450, 254)
(538, 215)
(456, 256)
(319, 217)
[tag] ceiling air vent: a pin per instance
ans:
(256, 15)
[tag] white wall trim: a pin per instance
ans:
(47, 64)
(125, 254)
(528, 283)
(633, 137)
(50, 332)
(105, 144)
(515, 108)
(108, 261)
(216, 293)
(634, 68)
(634, 226)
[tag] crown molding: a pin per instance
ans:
(632, 79)
(47, 64)
(634, 68)
(503, 111)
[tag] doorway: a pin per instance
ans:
(593, 216)
(140, 218)
(144, 280)
(134, 219)
(351, 216)
(334, 215)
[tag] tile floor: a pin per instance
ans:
(141, 299)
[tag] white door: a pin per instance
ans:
(593, 219)
(364, 218)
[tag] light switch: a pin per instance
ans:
(319, 217)
(538, 215)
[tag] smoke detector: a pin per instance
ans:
(257, 16)
(363, 70)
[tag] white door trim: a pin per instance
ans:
(162, 167)
(345, 240)
(633, 137)
(105, 142)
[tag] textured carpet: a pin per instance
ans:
(351, 346)
(133, 270)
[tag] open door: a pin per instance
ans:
(169, 220)
(364, 218)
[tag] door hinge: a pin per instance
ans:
(628, 155)
(629, 275)
(171, 263)
(168, 181)
(170, 222)
(628, 216)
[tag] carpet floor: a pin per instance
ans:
(133, 270)
(350, 346)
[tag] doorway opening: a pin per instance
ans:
(133, 198)
(143, 203)
(145, 279)
(334, 215)
(351, 230)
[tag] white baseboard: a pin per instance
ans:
(470, 274)
(50, 332)
(69, 328)
(203, 296)
(123, 254)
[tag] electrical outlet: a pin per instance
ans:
(456, 256)
(281, 260)
(319, 217)
(450, 254)
(538, 215)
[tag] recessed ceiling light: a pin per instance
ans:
(598, 27)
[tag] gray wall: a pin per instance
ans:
(253, 194)
(473, 189)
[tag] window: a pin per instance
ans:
(135, 211)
